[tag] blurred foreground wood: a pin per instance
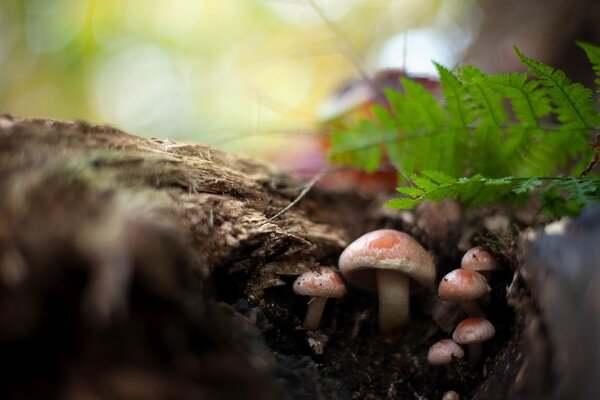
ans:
(107, 245)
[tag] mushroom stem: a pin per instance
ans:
(474, 350)
(316, 305)
(393, 292)
(471, 308)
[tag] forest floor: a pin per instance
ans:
(150, 269)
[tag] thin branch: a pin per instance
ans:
(309, 185)
(596, 147)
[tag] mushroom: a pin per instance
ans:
(450, 395)
(464, 286)
(472, 332)
(320, 283)
(442, 352)
(388, 261)
(480, 260)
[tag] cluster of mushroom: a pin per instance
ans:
(394, 264)
(466, 286)
(387, 261)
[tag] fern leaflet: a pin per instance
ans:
(572, 102)
(593, 54)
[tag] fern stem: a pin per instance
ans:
(596, 147)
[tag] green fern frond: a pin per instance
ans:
(487, 135)
(427, 115)
(461, 116)
(422, 124)
(593, 54)
(572, 102)
(457, 106)
(486, 102)
(472, 132)
(529, 103)
(360, 146)
(474, 190)
(561, 195)
(402, 152)
(527, 141)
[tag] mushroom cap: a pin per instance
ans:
(473, 330)
(320, 282)
(450, 395)
(479, 259)
(463, 285)
(441, 352)
(385, 249)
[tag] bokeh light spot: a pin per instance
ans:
(52, 25)
(137, 87)
(303, 13)
(414, 50)
(167, 18)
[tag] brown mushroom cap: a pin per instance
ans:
(441, 353)
(463, 284)
(320, 282)
(479, 259)
(473, 330)
(385, 249)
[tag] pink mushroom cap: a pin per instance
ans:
(479, 259)
(320, 282)
(473, 330)
(441, 353)
(463, 284)
(386, 249)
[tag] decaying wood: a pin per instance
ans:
(94, 222)
(221, 203)
(150, 269)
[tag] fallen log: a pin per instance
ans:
(151, 269)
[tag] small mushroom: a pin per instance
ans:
(465, 287)
(321, 283)
(442, 352)
(450, 395)
(480, 260)
(472, 332)
(390, 262)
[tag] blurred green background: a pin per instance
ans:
(232, 73)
